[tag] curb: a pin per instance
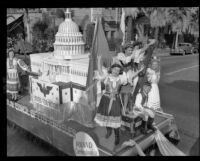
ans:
(161, 54)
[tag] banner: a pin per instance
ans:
(84, 145)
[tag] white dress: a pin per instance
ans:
(12, 74)
(146, 112)
(154, 95)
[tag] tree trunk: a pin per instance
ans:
(129, 29)
(141, 34)
(28, 25)
(176, 40)
(156, 35)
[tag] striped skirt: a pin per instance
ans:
(12, 81)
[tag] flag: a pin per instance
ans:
(99, 48)
(122, 25)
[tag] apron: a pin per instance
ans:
(12, 77)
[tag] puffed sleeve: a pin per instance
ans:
(121, 56)
(152, 76)
(123, 78)
(116, 60)
(22, 64)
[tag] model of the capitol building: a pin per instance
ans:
(63, 73)
(69, 41)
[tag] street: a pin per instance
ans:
(179, 92)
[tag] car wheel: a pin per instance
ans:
(195, 51)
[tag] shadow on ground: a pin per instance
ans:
(190, 86)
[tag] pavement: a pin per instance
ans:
(179, 92)
(157, 52)
(161, 52)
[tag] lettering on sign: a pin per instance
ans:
(84, 145)
(45, 102)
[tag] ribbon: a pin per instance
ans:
(166, 148)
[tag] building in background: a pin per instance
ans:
(111, 18)
(81, 17)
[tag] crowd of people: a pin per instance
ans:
(128, 86)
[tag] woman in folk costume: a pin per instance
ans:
(125, 60)
(104, 62)
(139, 52)
(109, 109)
(153, 76)
(140, 59)
(141, 107)
(12, 73)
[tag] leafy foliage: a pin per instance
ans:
(178, 19)
(43, 34)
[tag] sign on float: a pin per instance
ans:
(84, 145)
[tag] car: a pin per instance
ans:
(184, 48)
(196, 48)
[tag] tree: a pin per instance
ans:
(158, 17)
(130, 13)
(179, 19)
(27, 24)
(43, 34)
(193, 27)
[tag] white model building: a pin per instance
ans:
(65, 70)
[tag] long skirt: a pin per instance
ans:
(154, 97)
(104, 117)
(12, 81)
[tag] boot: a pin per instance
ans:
(117, 139)
(150, 124)
(144, 127)
(109, 132)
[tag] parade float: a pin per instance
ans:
(57, 111)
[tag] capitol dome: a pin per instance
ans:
(68, 40)
(68, 26)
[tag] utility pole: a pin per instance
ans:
(116, 15)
